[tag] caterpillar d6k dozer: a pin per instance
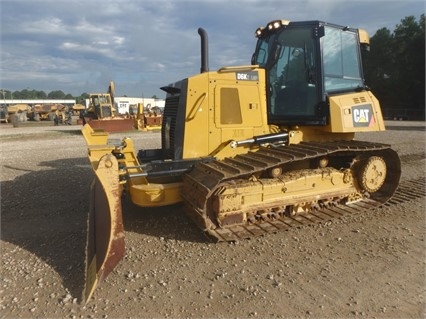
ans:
(251, 149)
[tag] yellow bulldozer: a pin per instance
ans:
(251, 149)
(145, 120)
(102, 114)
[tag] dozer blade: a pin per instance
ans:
(105, 233)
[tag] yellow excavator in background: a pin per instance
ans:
(251, 149)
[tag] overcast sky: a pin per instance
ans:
(79, 46)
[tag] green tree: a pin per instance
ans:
(56, 95)
(409, 46)
(41, 95)
(82, 98)
(379, 64)
(18, 95)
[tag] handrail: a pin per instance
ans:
(237, 68)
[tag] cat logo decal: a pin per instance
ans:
(362, 115)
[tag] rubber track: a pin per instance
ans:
(202, 182)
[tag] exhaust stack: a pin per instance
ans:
(204, 50)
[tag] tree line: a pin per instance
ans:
(394, 69)
(27, 94)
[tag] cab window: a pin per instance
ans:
(341, 60)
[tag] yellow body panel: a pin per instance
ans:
(317, 134)
(196, 117)
(222, 108)
(356, 112)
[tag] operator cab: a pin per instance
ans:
(101, 104)
(305, 63)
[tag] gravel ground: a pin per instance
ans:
(368, 265)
